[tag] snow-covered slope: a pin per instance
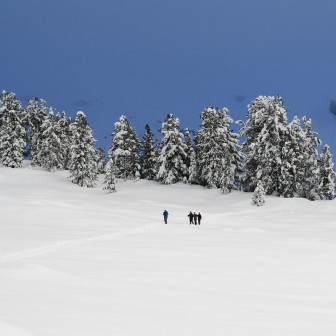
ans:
(81, 262)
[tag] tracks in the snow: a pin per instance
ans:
(13, 256)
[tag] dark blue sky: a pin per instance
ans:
(147, 58)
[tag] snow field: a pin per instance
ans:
(77, 261)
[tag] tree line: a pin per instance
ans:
(278, 156)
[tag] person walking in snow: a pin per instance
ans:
(195, 218)
(191, 218)
(165, 216)
(199, 217)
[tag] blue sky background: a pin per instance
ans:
(147, 58)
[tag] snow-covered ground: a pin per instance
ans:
(81, 262)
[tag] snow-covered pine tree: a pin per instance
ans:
(311, 183)
(217, 150)
(191, 158)
(9, 102)
(148, 157)
(124, 150)
(258, 196)
(109, 179)
(36, 112)
(64, 136)
(292, 171)
(51, 153)
(172, 166)
(12, 132)
(265, 131)
(327, 174)
(101, 161)
(83, 162)
(2, 109)
(66, 129)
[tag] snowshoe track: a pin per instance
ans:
(67, 243)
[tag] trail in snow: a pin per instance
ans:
(67, 243)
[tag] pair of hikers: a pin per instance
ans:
(194, 218)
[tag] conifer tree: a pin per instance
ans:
(218, 151)
(36, 112)
(51, 153)
(12, 132)
(265, 132)
(2, 109)
(327, 175)
(66, 127)
(258, 196)
(191, 158)
(310, 161)
(148, 158)
(109, 179)
(172, 166)
(101, 162)
(9, 102)
(125, 150)
(83, 162)
(64, 137)
(292, 172)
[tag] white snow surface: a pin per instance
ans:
(82, 262)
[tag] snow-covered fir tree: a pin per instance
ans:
(327, 175)
(101, 161)
(311, 183)
(217, 150)
(125, 150)
(292, 169)
(9, 102)
(2, 109)
(191, 158)
(36, 112)
(265, 131)
(148, 157)
(64, 136)
(258, 196)
(51, 153)
(83, 161)
(172, 159)
(66, 129)
(12, 132)
(12, 140)
(109, 179)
